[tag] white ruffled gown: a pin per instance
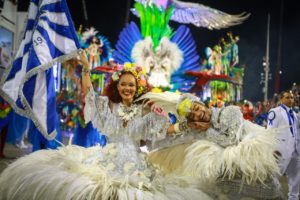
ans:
(119, 171)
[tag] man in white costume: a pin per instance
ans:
(284, 118)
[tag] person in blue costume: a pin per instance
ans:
(17, 129)
(88, 136)
(117, 171)
(85, 134)
(39, 142)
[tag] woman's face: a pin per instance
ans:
(199, 113)
(127, 87)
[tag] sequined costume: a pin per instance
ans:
(235, 156)
(117, 171)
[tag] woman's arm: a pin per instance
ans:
(86, 79)
(147, 109)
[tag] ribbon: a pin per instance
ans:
(290, 117)
(270, 119)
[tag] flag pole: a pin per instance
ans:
(86, 19)
(267, 65)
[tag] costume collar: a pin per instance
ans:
(286, 107)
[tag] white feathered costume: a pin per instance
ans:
(232, 149)
(119, 171)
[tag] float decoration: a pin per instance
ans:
(165, 54)
(221, 76)
(70, 106)
(98, 47)
(196, 14)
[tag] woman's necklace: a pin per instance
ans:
(127, 113)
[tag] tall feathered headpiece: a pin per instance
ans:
(88, 34)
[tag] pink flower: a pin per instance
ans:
(139, 69)
(158, 111)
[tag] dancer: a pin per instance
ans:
(117, 171)
(232, 153)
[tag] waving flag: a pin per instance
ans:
(28, 84)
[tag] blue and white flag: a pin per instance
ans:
(28, 84)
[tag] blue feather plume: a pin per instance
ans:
(186, 43)
(129, 36)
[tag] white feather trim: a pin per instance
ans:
(142, 53)
(252, 159)
(169, 50)
(65, 174)
(159, 63)
(88, 33)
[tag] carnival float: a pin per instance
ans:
(220, 78)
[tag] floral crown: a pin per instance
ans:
(137, 71)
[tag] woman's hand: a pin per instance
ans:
(158, 111)
(86, 81)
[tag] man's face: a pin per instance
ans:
(199, 113)
(287, 99)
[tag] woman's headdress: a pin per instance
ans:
(87, 36)
(137, 71)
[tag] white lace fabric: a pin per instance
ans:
(225, 124)
(233, 148)
(127, 158)
(149, 126)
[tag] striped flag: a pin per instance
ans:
(28, 84)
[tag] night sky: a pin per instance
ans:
(109, 19)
